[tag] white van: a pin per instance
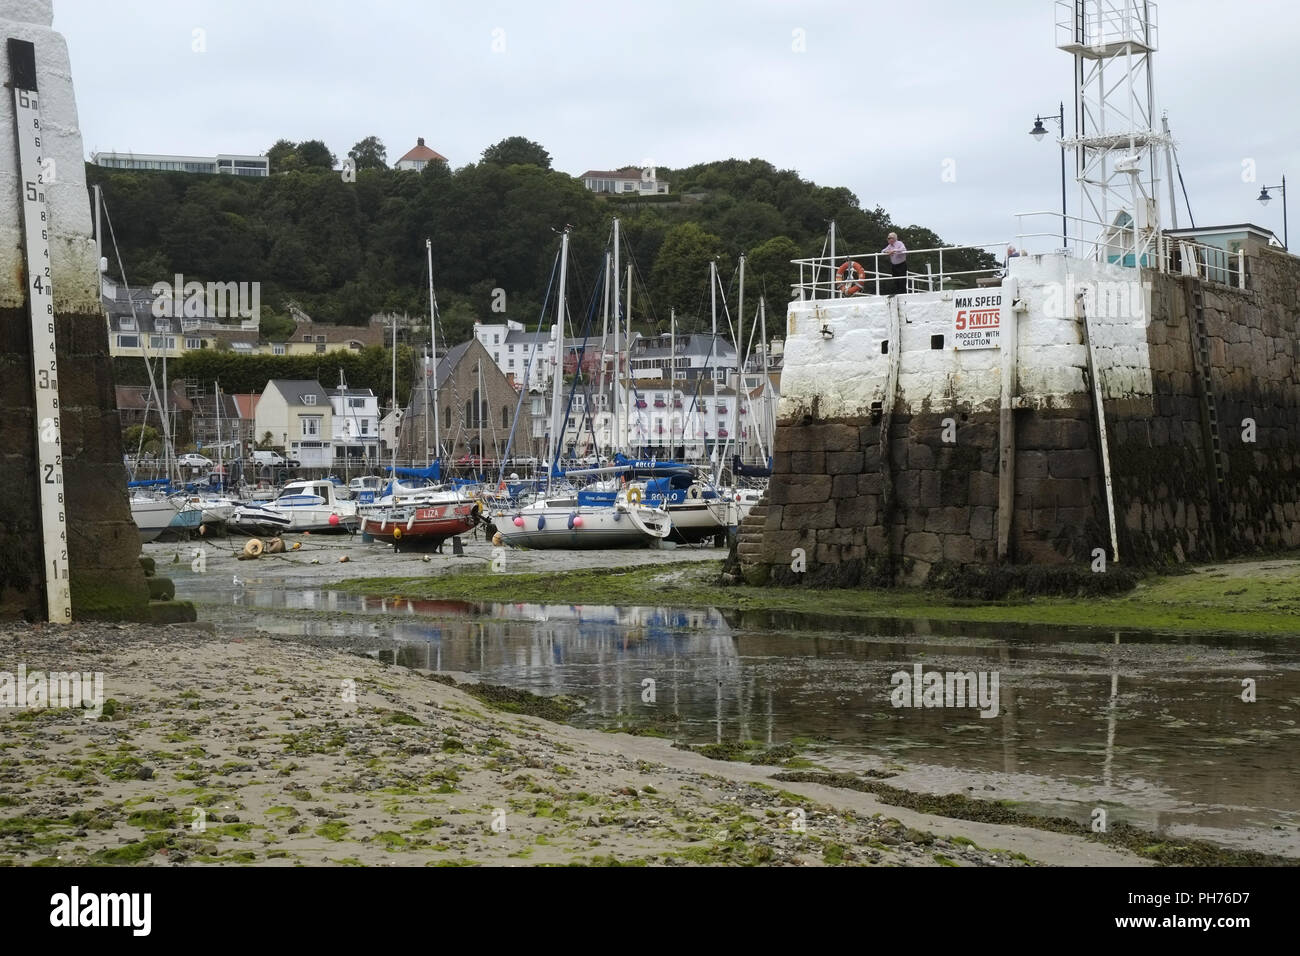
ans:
(268, 459)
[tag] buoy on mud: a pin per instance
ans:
(275, 546)
(253, 547)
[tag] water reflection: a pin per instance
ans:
(1151, 728)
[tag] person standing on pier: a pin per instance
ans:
(897, 264)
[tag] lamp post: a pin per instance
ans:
(1264, 197)
(1038, 132)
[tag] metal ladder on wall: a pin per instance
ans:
(1210, 406)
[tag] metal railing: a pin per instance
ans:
(1126, 246)
(1107, 23)
(821, 277)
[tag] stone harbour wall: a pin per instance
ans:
(103, 544)
(884, 491)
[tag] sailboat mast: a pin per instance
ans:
(557, 378)
(604, 332)
(216, 399)
(672, 382)
(628, 403)
(740, 361)
(396, 420)
(481, 402)
(762, 319)
(618, 354)
(433, 345)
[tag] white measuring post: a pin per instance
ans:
(40, 297)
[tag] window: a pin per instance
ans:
(320, 348)
(356, 403)
(446, 418)
(193, 343)
(278, 349)
(128, 324)
(128, 341)
(496, 357)
(365, 426)
(510, 363)
(162, 342)
(310, 426)
(320, 338)
(309, 399)
(496, 340)
(505, 416)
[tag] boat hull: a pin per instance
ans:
(152, 516)
(613, 527)
(411, 528)
(255, 519)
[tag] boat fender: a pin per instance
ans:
(693, 492)
(541, 522)
(497, 539)
(275, 546)
(296, 546)
(519, 521)
(397, 533)
(411, 522)
(253, 547)
(859, 275)
(572, 518)
(634, 496)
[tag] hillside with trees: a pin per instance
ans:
(343, 250)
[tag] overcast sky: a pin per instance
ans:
(880, 96)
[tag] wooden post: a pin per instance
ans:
(1006, 415)
(1100, 410)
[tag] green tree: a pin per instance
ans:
(280, 155)
(369, 154)
(517, 151)
(315, 154)
(680, 274)
(769, 272)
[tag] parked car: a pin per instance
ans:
(193, 460)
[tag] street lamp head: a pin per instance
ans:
(1038, 132)
(1264, 197)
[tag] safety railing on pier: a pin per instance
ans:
(1123, 245)
(870, 273)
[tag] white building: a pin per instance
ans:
(355, 432)
(419, 156)
(518, 352)
(624, 182)
(229, 163)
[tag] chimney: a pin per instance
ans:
(419, 141)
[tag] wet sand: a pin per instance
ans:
(243, 749)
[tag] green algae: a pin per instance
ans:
(1180, 603)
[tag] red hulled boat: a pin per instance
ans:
(422, 527)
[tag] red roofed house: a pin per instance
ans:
(419, 156)
(625, 181)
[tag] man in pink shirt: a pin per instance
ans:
(897, 263)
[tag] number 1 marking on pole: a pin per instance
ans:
(40, 296)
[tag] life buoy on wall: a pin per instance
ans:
(694, 492)
(634, 496)
(859, 277)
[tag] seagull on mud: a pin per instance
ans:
(238, 583)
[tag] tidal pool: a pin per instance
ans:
(1154, 730)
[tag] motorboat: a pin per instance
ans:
(301, 506)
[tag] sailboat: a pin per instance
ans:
(576, 519)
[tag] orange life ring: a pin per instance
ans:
(859, 276)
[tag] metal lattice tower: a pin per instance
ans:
(1115, 141)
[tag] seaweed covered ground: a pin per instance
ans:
(1245, 597)
(246, 750)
